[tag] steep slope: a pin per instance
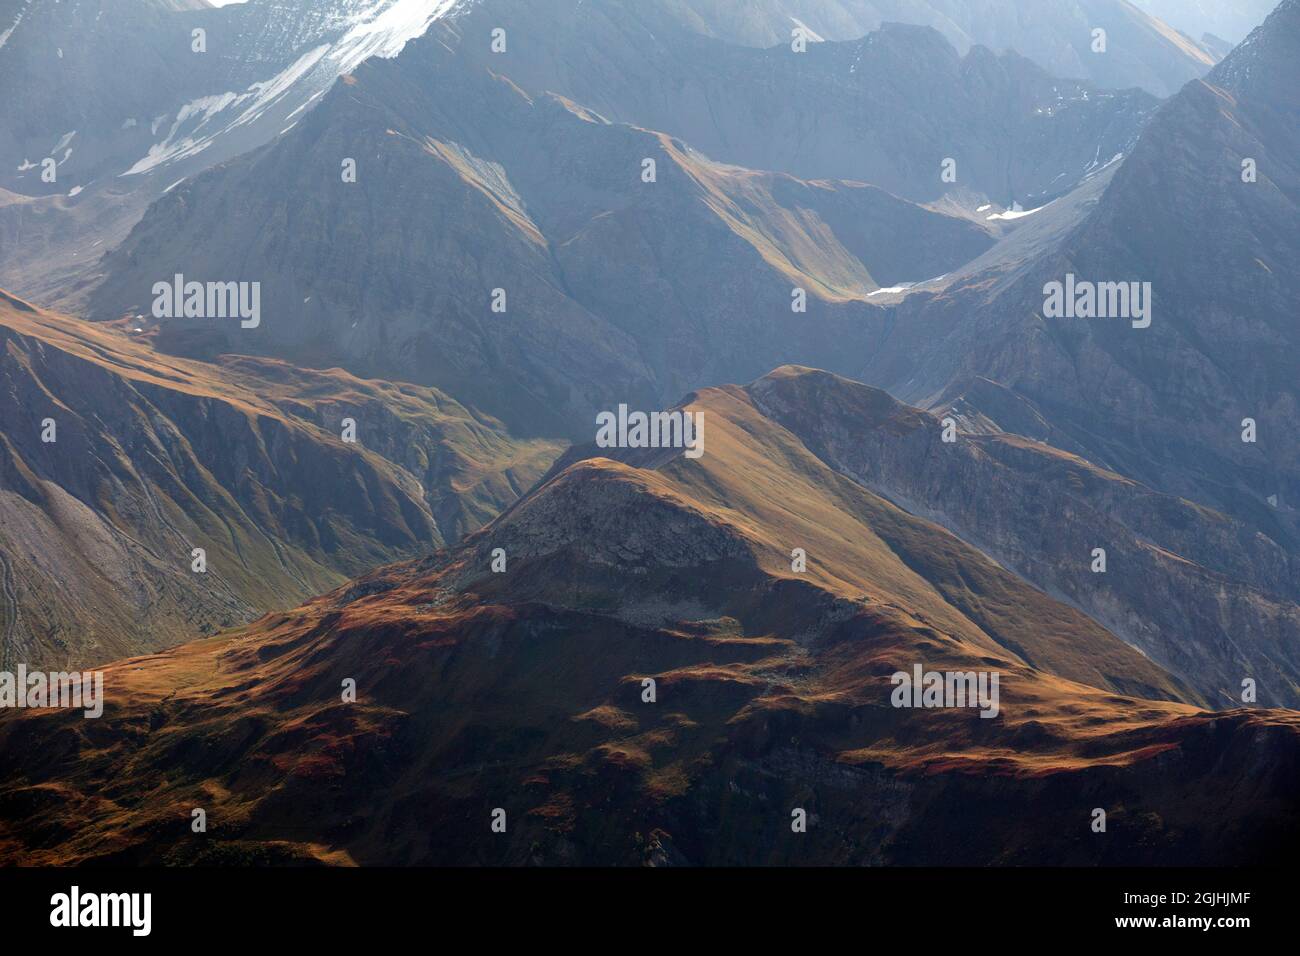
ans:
(523, 690)
(115, 463)
(613, 287)
(1163, 404)
(1230, 19)
(1196, 591)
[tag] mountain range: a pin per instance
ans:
(550, 205)
(116, 463)
(611, 285)
(523, 690)
(1056, 34)
(585, 251)
(121, 138)
(1221, 343)
(364, 576)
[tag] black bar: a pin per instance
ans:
(939, 906)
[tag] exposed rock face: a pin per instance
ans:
(523, 689)
(884, 108)
(115, 463)
(85, 79)
(616, 288)
(1198, 592)
(1165, 405)
(616, 283)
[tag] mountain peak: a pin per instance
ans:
(1271, 48)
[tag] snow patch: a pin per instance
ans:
(907, 286)
(196, 116)
(808, 32)
(382, 29)
(387, 33)
(4, 37)
(1093, 169)
(1015, 213)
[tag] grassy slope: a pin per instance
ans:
(242, 457)
(522, 690)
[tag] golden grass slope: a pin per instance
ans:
(523, 690)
